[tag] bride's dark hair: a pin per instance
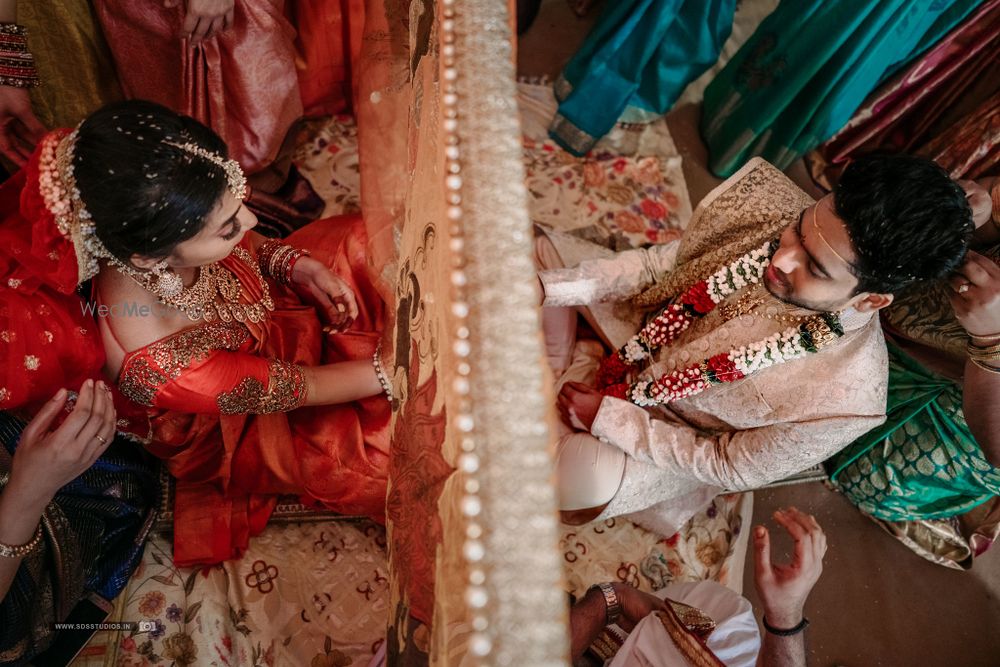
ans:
(144, 195)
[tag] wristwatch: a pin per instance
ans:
(613, 605)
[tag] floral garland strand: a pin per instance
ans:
(700, 299)
(793, 343)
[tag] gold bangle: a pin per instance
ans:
(984, 356)
(21, 550)
(383, 379)
(982, 341)
(982, 349)
(986, 367)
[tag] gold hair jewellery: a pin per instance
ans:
(234, 173)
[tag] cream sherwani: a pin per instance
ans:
(731, 437)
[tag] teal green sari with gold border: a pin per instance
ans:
(923, 463)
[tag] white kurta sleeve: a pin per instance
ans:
(621, 276)
(736, 461)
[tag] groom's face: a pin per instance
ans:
(811, 266)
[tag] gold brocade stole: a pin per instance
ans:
(687, 626)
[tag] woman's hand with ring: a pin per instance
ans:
(315, 282)
(48, 459)
(975, 295)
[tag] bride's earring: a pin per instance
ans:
(167, 282)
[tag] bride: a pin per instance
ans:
(251, 366)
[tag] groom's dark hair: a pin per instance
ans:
(907, 219)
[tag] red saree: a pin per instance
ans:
(240, 83)
(217, 394)
(328, 43)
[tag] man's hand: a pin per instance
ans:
(47, 459)
(315, 282)
(975, 295)
(783, 589)
(578, 405)
(20, 130)
(636, 605)
(204, 19)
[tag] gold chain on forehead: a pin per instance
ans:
(827, 243)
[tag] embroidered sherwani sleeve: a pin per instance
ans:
(618, 277)
(737, 460)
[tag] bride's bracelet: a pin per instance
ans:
(984, 341)
(17, 65)
(277, 260)
(383, 379)
(21, 550)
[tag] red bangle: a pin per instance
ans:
(291, 265)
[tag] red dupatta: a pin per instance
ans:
(48, 337)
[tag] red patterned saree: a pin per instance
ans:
(223, 399)
(240, 83)
(215, 401)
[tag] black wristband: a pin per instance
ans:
(790, 631)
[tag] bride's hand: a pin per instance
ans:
(315, 281)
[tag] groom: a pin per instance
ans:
(770, 366)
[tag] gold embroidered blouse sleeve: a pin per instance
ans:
(205, 370)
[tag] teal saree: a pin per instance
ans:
(923, 463)
(807, 68)
(638, 59)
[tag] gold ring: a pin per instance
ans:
(103, 441)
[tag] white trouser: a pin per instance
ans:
(588, 471)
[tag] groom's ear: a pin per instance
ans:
(872, 301)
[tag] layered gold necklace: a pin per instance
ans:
(750, 301)
(214, 295)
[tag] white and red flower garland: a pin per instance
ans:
(697, 301)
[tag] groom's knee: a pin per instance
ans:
(588, 472)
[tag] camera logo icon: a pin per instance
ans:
(147, 626)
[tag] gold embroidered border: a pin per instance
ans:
(140, 379)
(692, 647)
(286, 390)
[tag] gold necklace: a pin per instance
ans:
(749, 301)
(215, 294)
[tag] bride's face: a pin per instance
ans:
(223, 229)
